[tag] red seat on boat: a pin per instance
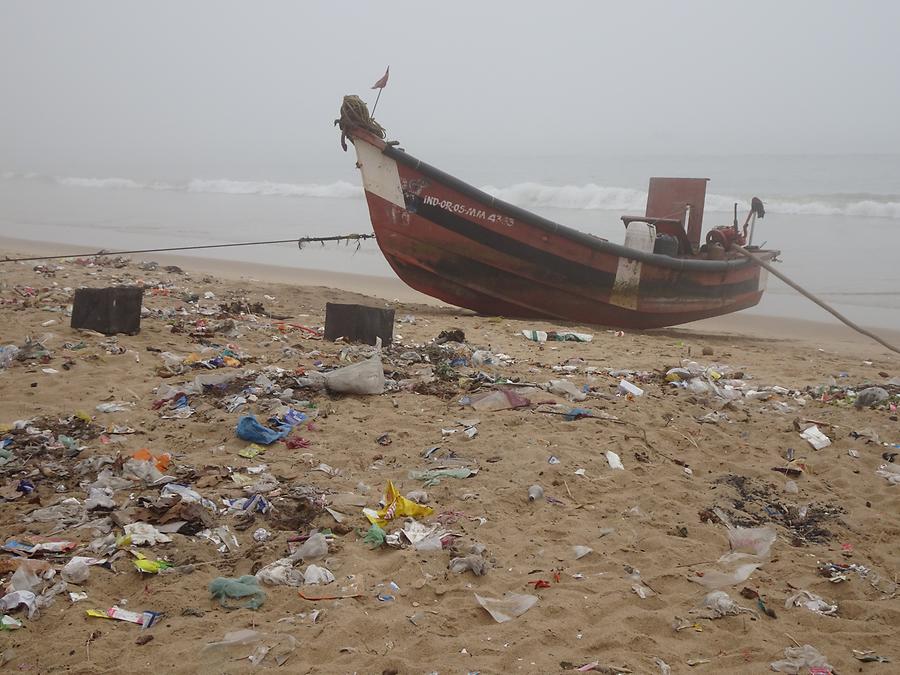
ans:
(673, 203)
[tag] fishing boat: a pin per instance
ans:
(454, 242)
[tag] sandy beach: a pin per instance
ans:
(699, 464)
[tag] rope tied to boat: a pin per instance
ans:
(355, 113)
(346, 238)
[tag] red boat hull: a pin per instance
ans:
(455, 243)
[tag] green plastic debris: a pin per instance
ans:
(433, 476)
(68, 442)
(375, 536)
(229, 591)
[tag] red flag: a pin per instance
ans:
(382, 83)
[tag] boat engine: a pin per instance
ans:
(725, 236)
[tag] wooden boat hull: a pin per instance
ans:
(464, 247)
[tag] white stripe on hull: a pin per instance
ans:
(627, 284)
(379, 173)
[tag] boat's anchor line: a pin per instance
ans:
(346, 238)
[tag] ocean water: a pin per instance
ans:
(836, 219)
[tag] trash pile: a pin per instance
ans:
(230, 467)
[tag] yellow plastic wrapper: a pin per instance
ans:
(230, 361)
(150, 566)
(251, 451)
(398, 506)
(83, 416)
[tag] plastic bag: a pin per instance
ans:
(243, 592)
(284, 645)
(67, 512)
(474, 563)
(567, 389)
(890, 472)
(433, 476)
(188, 495)
(507, 608)
(312, 549)
(142, 470)
(498, 399)
(812, 602)
(715, 579)
(796, 658)
(396, 506)
(816, 438)
(581, 551)
(280, 573)
(364, 378)
(614, 461)
(755, 541)
(106, 479)
(249, 429)
(317, 575)
(16, 598)
(99, 498)
(144, 534)
(719, 604)
(24, 579)
(77, 570)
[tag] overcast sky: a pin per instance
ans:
(119, 84)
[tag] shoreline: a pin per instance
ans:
(822, 334)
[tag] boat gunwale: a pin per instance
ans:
(552, 227)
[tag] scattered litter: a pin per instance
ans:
(812, 602)
(142, 619)
(816, 438)
(796, 658)
(535, 493)
(507, 608)
(243, 592)
(614, 461)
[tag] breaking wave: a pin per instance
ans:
(598, 197)
(336, 190)
(528, 195)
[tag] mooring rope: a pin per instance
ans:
(347, 238)
(355, 113)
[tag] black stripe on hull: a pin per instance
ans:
(565, 272)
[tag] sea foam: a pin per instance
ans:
(589, 196)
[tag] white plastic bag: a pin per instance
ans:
(507, 608)
(365, 378)
(816, 438)
(317, 575)
(614, 461)
(715, 579)
(312, 549)
(567, 389)
(76, 571)
(796, 658)
(280, 573)
(753, 541)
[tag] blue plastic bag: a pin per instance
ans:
(249, 429)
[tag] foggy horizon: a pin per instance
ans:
(206, 87)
